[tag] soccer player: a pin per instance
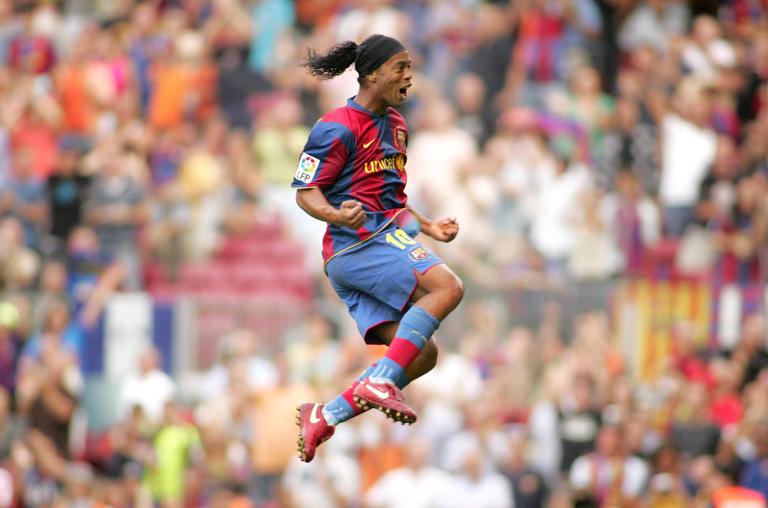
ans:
(352, 176)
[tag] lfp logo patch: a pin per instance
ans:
(419, 253)
(307, 167)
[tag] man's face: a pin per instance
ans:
(394, 78)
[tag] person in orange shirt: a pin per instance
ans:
(70, 82)
(183, 84)
(733, 497)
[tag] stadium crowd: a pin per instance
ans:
(576, 141)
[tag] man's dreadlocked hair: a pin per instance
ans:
(334, 62)
(367, 57)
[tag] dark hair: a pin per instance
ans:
(367, 57)
(332, 63)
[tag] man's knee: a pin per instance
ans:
(455, 289)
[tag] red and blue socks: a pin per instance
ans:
(416, 327)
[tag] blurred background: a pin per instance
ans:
(163, 306)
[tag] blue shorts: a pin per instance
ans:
(377, 280)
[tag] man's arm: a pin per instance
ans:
(312, 201)
(443, 230)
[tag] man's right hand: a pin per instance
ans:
(351, 215)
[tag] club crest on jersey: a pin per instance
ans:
(307, 167)
(401, 138)
(419, 253)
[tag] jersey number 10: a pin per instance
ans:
(400, 239)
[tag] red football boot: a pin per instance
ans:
(313, 430)
(386, 397)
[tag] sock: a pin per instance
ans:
(343, 407)
(416, 327)
(402, 381)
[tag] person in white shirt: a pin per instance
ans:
(609, 475)
(150, 388)
(654, 23)
(415, 485)
(479, 486)
(688, 146)
(331, 480)
(552, 228)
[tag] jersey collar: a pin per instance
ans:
(355, 105)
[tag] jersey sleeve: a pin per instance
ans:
(328, 148)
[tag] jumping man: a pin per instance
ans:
(352, 176)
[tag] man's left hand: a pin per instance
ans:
(444, 230)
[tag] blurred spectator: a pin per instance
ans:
(24, 198)
(67, 190)
(9, 345)
(30, 50)
(595, 252)
(272, 20)
(725, 494)
(442, 152)
(241, 360)
(115, 208)
(755, 474)
(48, 392)
(630, 142)
(182, 83)
(654, 23)
(537, 52)
(333, 481)
(551, 230)
(18, 263)
(578, 421)
(416, 484)
(56, 328)
(688, 148)
(667, 485)
(473, 116)
(585, 103)
(92, 274)
(34, 117)
(272, 445)
(706, 51)
(176, 447)
(632, 218)
(315, 359)
(11, 426)
(609, 475)
(479, 485)
(752, 351)
(529, 489)
(693, 432)
(11, 25)
(279, 137)
(150, 388)
(245, 194)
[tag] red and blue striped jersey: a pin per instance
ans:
(353, 153)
